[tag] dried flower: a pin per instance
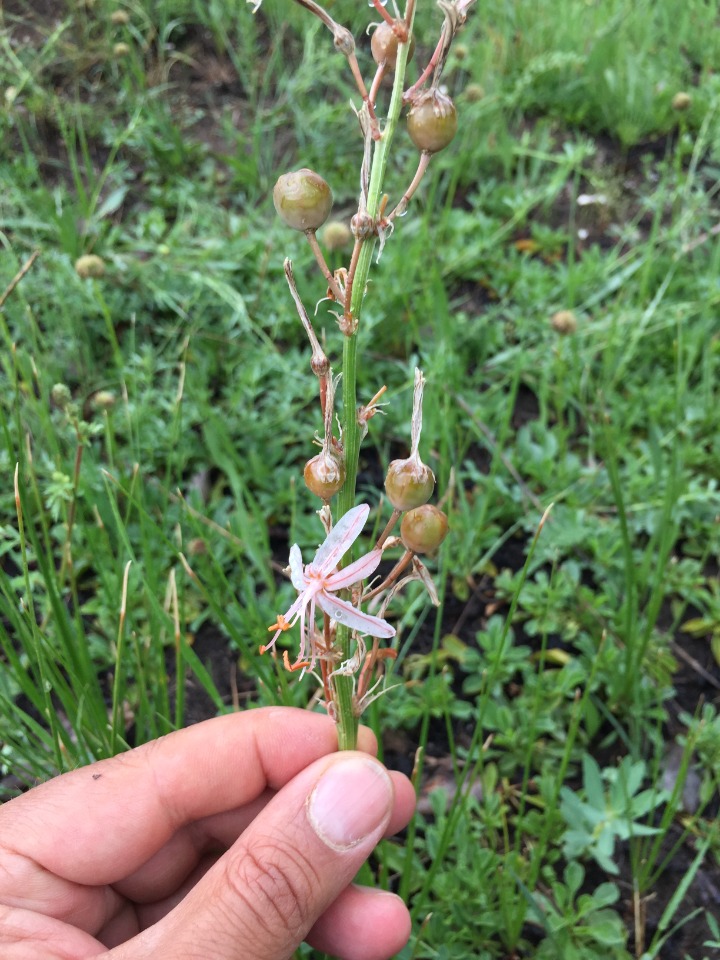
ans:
(410, 483)
(325, 473)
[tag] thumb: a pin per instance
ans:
(260, 900)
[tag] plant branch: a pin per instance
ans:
(345, 716)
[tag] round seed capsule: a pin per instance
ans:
(303, 199)
(424, 528)
(384, 45)
(432, 123)
(90, 265)
(336, 235)
(409, 483)
(324, 475)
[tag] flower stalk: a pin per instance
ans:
(332, 590)
(347, 721)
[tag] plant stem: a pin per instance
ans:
(347, 722)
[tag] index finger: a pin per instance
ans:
(99, 823)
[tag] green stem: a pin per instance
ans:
(347, 721)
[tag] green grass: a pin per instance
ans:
(179, 447)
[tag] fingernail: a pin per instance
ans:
(349, 802)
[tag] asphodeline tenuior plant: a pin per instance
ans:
(339, 612)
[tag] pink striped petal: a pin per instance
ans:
(355, 571)
(340, 539)
(345, 613)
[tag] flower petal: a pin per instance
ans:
(355, 571)
(340, 539)
(296, 569)
(343, 612)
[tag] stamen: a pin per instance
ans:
(293, 667)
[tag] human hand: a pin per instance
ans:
(234, 839)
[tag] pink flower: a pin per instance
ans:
(318, 582)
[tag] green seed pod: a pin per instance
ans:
(336, 235)
(409, 483)
(474, 92)
(432, 123)
(324, 475)
(681, 101)
(384, 45)
(423, 529)
(60, 396)
(89, 265)
(103, 400)
(303, 199)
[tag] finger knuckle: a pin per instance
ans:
(274, 884)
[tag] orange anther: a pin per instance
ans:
(386, 654)
(292, 667)
(280, 624)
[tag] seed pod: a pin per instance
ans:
(681, 101)
(409, 483)
(61, 396)
(336, 235)
(324, 475)
(474, 92)
(384, 45)
(89, 265)
(362, 226)
(564, 322)
(423, 529)
(432, 123)
(103, 400)
(303, 199)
